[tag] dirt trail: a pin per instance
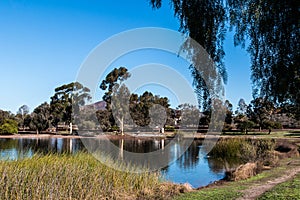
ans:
(260, 188)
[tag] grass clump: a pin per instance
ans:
(78, 176)
(245, 150)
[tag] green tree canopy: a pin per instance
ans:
(67, 100)
(40, 118)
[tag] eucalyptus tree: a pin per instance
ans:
(23, 116)
(116, 96)
(67, 100)
(124, 108)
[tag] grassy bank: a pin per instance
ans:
(77, 176)
(235, 189)
(287, 190)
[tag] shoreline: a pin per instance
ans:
(104, 136)
(143, 136)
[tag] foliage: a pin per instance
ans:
(269, 124)
(241, 108)
(105, 119)
(147, 107)
(170, 128)
(128, 109)
(112, 78)
(23, 116)
(190, 115)
(229, 112)
(244, 124)
(66, 100)
(270, 26)
(40, 118)
(8, 126)
(273, 31)
(204, 21)
(260, 110)
(116, 96)
(4, 115)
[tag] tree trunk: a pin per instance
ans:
(37, 131)
(71, 128)
(122, 126)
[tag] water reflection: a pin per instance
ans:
(12, 149)
(191, 167)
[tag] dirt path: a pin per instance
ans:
(260, 188)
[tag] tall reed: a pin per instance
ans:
(77, 176)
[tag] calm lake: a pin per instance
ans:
(191, 167)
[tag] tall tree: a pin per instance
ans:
(190, 115)
(40, 118)
(229, 117)
(22, 114)
(124, 108)
(204, 21)
(241, 108)
(117, 95)
(272, 28)
(260, 111)
(120, 105)
(67, 100)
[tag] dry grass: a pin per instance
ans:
(77, 176)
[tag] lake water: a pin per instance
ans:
(191, 167)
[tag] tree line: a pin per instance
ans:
(126, 111)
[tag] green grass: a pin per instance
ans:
(264, 134)
(223, 193)
(77, 176)
(286, 190)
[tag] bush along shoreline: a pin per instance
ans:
(246, 157)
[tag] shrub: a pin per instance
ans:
(246, 150)
(170, 128)
(9, 127)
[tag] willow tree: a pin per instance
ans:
(204, 21)
(271, 27)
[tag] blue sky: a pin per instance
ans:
(44, 42)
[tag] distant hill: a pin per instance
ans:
(99, 105)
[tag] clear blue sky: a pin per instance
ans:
(44, 42)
